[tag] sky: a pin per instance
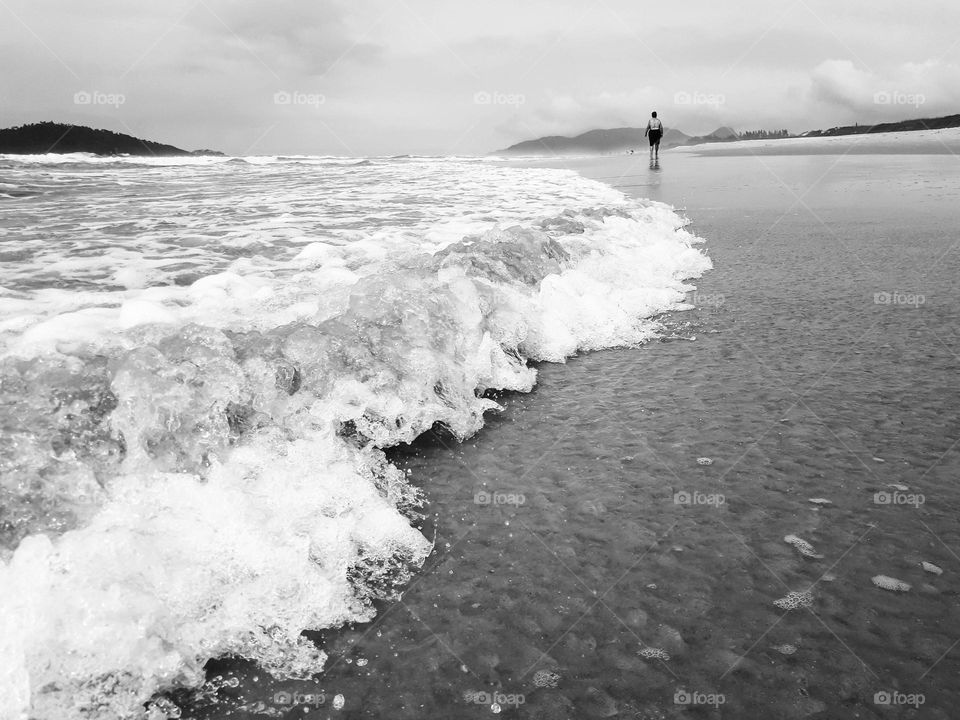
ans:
(386, 77)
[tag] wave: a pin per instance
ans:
(216, 488)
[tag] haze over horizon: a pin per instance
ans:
(376, 77)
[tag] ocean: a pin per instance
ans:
(548, 438)
(203, 362)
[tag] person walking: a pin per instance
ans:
(654, 131)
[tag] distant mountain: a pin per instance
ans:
(50, 137)
(616, 140)
(721, 134)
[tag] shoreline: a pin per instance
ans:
(603, 445)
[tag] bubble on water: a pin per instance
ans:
(886, 582)
(704, 461)
(794, 600)
(545, 678)
(652, 653)
(338, 702)
(802, 546)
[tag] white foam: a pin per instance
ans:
(236, 510)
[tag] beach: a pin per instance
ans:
(361, 361)
(689, 523)
(798, 381)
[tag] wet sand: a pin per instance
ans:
(565, 547)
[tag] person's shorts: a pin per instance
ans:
(655, 137)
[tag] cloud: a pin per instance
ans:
(402, 76)
(840, 83)
(909, 89)
(289, 36)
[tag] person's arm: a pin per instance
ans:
(647, 130)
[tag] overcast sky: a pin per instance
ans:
(362, 77)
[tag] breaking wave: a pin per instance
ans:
(195, 405)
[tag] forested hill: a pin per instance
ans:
(948, 121)
(51, 137)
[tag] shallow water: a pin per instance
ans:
(202, 360)
(799, 381)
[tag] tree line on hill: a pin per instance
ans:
(50, 137)
(762, 134)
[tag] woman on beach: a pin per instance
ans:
(655, 131)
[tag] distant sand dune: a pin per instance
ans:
(919, 142)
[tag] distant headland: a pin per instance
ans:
(619, 140)
(50, 137)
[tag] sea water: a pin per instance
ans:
(202, 362)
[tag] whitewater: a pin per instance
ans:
(202, 361)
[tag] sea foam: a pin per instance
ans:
(195, 415)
